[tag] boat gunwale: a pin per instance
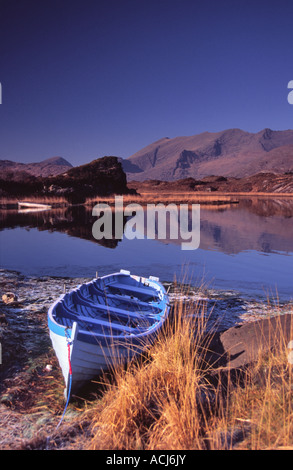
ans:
(121, 297)
(61, 330)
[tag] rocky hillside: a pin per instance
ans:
(101, 177)
(50, 167)
(259, 183)
(232, 153)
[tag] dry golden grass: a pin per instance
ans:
(160, 197)
(168, 400)
(154, 403)
(185, 197)
(153, 197)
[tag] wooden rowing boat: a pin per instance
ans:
(105, 322)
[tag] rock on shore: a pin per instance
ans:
(241, 345)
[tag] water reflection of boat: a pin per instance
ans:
(33, 209)
(104, 322)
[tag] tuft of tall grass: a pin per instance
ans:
(169, 398)
(163, 400)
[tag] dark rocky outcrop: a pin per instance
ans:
(101, 177)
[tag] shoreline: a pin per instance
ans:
(31, 392)
(203, 197)
(238, 305)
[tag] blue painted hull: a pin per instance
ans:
(103, 323)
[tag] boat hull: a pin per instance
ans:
(84, 355)
(89, 359)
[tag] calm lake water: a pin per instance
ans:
(245, 247)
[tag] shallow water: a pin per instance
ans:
(245, 247)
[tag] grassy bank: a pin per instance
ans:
(175, 198)
(181, 197)
(204, 198)
(173, 397)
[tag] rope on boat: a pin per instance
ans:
(70, 380)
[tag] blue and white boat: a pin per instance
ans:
(105, 322)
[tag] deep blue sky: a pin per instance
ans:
(83, 78)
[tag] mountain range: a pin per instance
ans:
(231, 153)
(50, 167)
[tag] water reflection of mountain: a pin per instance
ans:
(264, 225)
(261, 224)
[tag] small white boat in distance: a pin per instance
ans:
(105, 322)
(34, 205)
